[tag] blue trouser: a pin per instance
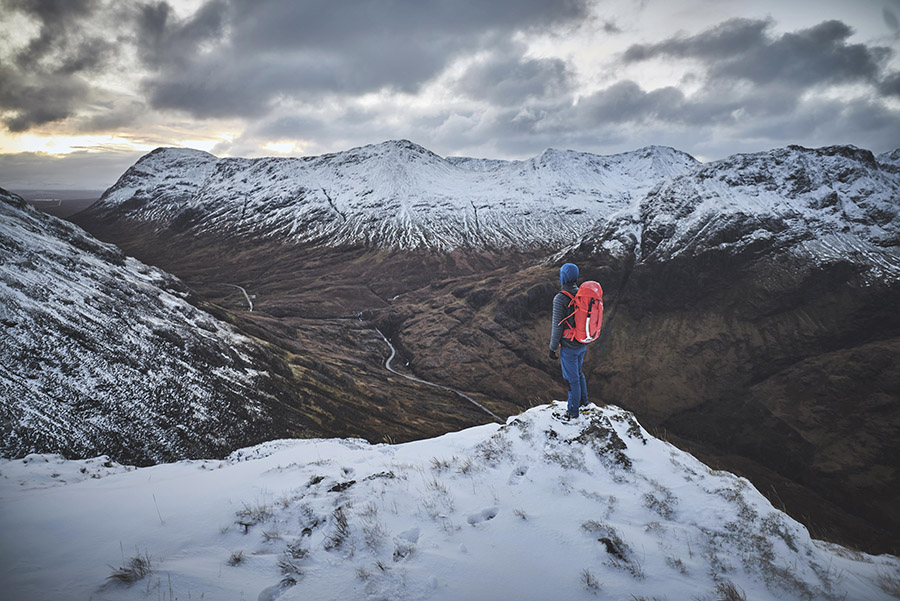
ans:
(571, 360)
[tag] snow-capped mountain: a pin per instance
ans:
(533, 509)
(103, 354)
(787, 195)
(390, 195)
(890, 158)
(825, 203)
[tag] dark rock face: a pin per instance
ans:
(787, 369)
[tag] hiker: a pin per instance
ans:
(576, 322)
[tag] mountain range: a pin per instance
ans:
(750, 301)
(394, 195)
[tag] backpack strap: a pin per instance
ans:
(570, 329)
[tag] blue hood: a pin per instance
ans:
(568, 274)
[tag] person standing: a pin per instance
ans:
(569, 351)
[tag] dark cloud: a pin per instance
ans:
(298, 127)
(54, 17)
(89, 55)
(809, 57)
(353, 25)
(754, 85)
(611, 27)
(39, 98)
(303, 50)
(625, 101)
(165, 41)
(731, 38)
(510, 78)
(48, 79)
(825, 121)
(742, 50)
(225, 86)
(296, 71)
(890, 85)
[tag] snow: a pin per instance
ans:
(395, 194)
(519, 511)
(534, 509)
(791, 198)
(655, 202)
(103, 354)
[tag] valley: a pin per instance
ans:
(749, 301)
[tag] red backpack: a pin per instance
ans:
(588, 314)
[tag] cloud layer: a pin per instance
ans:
(459, 76)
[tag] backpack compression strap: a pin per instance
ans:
(569, 332)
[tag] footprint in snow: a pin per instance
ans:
(516, 476)
(484, 515)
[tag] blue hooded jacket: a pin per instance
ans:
(568, 275)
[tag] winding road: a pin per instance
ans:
(246, 296)
(387, 365)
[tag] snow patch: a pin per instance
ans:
(455, 517)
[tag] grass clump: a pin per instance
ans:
(134, 569)
(889, 583)
(340, 530)
(590, 581)
(726, 591)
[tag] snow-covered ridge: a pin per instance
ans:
(890, 158)
(820, 203)
(655, 202)
(534, 509)
(101, 353)
(792, 194)
(396, 194)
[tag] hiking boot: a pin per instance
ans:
(564, 416)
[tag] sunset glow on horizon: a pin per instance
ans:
(500, 80)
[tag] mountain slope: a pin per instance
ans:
(818, 198)
(824, 203)
(534, 509)
(102, 354)
(390, 195)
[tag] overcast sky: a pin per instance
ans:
(88, 86)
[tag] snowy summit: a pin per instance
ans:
(533, 509)
(396, 194)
